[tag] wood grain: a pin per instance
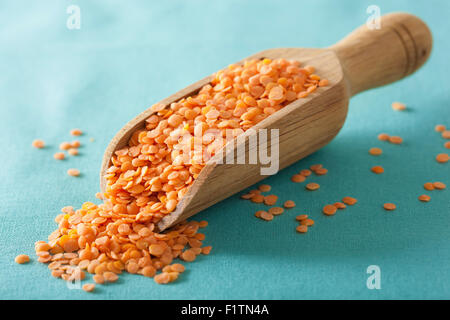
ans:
(365, 59)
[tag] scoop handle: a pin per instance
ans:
(374, 57)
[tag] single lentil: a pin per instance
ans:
(275, 211)
(22, 258)
(439, 185)
(298, 178)
(39, 144)
(289, 204)
(312, 186)
(398, 106)
(389, 206)
(59, 156)
(329, 210)
(76, 132)
(349, 201)
(442, 158)
(375, 151)
(424, 198)
(377, 169)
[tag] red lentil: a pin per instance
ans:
(395, 140)
(446, 134)
(264, 188)
(275, 211)
(298, 178)
(305, 172)
(39, 144)
(302, 229)
(398, 106)
(383, 137)
(88, 287)
(307, 222)
(439, 128)
(312, 186)
(439, 185)
(301, 217)
(72, 151)
(377, 169)
(76, 132)
(329, 210)
(442, 158)
(428, 186)
(289, 204)
(270, 200)
(59, 156)
(389, 206)
(339, 205)
(266, 216)
(424, 198)
(22, 258)
(321, 171)
(375, 151)
(65, 146)
(349, 201)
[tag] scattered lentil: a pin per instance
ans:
(289, 204)
(339, 205)
(439, 128)
(321, 171)
(39, 144)
(88, 287)
(442, 158)
(59, 156)
(264, 188)
(349, 201)
(389, 206)
(375, 151)
(270, 200)
(266, 216)
(301, 217)
(275, 211)
(305, 172)
(298, 178)
(395, 140)
(398, 106)
(439, 185)
(312, 186)
(329, 210)
(377, 169)
(383, 137)
(73, 151)
(65, 146)
(22, 258)
(428, 186)
(76, 132)
(73, 172)
(302, 229)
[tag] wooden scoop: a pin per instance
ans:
(363, 60)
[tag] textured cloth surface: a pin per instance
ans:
(130, 54)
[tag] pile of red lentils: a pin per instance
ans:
(148, 178)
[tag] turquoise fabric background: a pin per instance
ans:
(129, 54)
